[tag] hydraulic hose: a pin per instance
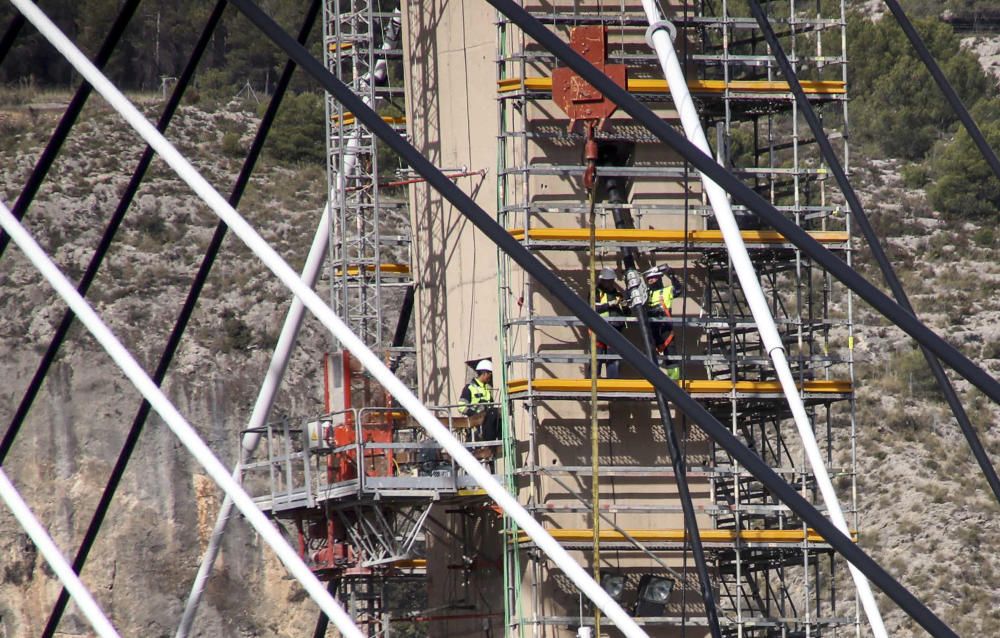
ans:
(616, 195)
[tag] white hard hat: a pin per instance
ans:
(652, 272)
(484, 366)
(607, 274)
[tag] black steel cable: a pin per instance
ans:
(61, 132)
(616, 195)
(323, 621)
(108, 236)
(173, 342)
(581, 309)
(949, 92)
(679, 466)
(857, 210)
(13, 29)
(109, 233)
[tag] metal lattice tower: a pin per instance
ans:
(359, 40)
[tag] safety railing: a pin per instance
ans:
(373, 452)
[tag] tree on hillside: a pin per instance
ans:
(897, 105)
(964, 186)
(157, 43)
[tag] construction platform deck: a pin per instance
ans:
(697, 87)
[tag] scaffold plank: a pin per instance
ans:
(710, 87)
(650, 235)
(394, 269)
(388, 119)
(692, 386)
(783, 536)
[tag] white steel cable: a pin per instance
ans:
(64, 571)
(258, 417)
(340, 331)
(660, 37)
(174, 420)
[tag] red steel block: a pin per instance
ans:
(578, 98)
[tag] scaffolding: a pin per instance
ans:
(369, 245)
(771, 575)
(356, 484)
(361, 485)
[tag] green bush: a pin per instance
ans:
(964, 186)
(916, 175)
(985, 237)
(298, 133)
(896, 105)
(231, 146)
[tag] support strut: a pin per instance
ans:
(616, 195)
(110, 231)
(949, 91)
(51, 151)
(13, 29)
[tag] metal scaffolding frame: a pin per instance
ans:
(754, 597)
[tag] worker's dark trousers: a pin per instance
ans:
(612, 367)
(490, 429)
(660, 332)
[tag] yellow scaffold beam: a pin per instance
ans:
(396, 120)
(691, 386)
(385, 269)
(679, 535)
(669, 236)
(411, 563)
(652, 85)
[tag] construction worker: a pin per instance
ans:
(477, 398)
(609, 303)
(658, 303)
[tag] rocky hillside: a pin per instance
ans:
(927, 514)
(149, 548)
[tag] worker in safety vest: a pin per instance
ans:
(477, 398)
(610, 304)
(658, 303)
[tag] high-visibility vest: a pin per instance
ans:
(604, 298)
(479, 393)
(660, 300)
